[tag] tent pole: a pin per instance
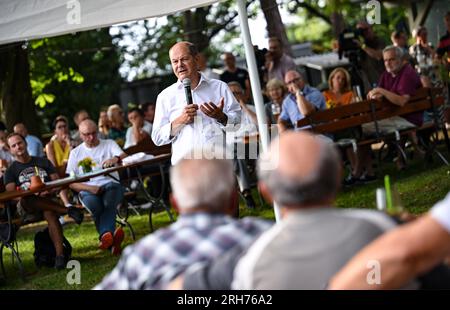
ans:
(256, 86)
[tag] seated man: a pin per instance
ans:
(248, 126)
(101, 195)
(34, 145)
(397, 84)
(301, 102)
(19, 174)
(204, 193)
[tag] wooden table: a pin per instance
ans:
(65, 182)
(6, 197)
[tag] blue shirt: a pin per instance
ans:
(290, 111)
(34, 146)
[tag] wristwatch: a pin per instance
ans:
(299, 92)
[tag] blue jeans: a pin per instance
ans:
(104, 207)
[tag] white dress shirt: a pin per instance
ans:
(441, 212)
(205, 131)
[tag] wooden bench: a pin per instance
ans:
(354, 115)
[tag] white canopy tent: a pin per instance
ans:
(32, 19)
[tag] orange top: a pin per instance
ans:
(332, 101)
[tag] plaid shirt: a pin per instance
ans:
(160, 257)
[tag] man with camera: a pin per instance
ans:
(278, 63)
(372, 58)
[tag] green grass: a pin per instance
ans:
(84, 239)
(420, 186)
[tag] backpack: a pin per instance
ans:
(44, 250)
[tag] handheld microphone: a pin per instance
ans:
(187, 90)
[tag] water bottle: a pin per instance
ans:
(381, 199)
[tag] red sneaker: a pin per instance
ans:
(106, 241)
(119, 235)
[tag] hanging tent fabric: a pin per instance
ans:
(31, 19)
(22, 20)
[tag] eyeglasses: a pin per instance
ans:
(88, 133)
(294, 81)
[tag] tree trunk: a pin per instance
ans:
(15, 89)
(275, 26)
(195, 26)
(337, 24)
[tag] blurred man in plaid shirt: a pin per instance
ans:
(205, 194)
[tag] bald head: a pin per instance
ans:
(300, 170)
(298, 154)
(87, 124)
(21, 129)
(88, 132)
(203, 184)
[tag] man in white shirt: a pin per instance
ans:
(200, 124)
(102, 194)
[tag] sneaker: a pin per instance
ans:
(60, 262)
(350, 180)
(119, 235)
(106, 241)
(75, 213)
(368, 178)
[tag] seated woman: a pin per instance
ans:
(276, 91)
(103, 125)
(58, 150)
(340, 94)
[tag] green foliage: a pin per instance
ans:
(73, 72)
(314, 30)
(315, 24)
(146, 54)
(42, 99)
